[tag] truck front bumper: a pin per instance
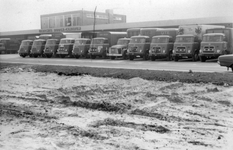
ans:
(210, 55)
(182, 55)
(116, 55)
(63, 52)
(159, 55)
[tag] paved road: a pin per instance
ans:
(185, 65)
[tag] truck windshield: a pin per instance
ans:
(97, 41)
(37, 43)
(51, 42)
(184, 39)
(138, 40)
(160, 40)
(65, 41)
(80, 42)
(215, 38)
(122, 42)
(25, 43)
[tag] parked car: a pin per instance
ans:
(226, 60)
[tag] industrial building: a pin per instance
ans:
(83, 21)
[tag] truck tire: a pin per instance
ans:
(35, 56)
(152, 58)
(23, 56)
(131, 57)
(195, 57)
(113, 57)
(124, 55)
(48, 55)
(93, 56)
(169, 57)
(176, 58)
(145, 56)
(202, 58)
(62, 56)
(77, 56)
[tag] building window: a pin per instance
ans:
(68, 21)
(97, 16)
(76, 19)
(59, 21)
(117, 18)
(44, 23)
(51, 22)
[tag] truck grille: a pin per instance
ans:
(133, 49)
(114, 51)
(208, 49)
(157, 49)
(180, 50)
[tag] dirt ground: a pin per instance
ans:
(56, 111)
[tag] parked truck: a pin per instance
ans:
(51, 47)
(140, 44)
(65, 47)
(162, 44)
(216, 42)
(25, 47)
(81, 47)
(8, 46)
(187, 44)
(100, 45)
(37, 49)
(120, 49)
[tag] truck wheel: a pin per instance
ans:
(113, 57)
(195, 57)
(93, 56)
(131, 57)
(169, 57)
(152, 58)
(23, 56)
(176, 58)
(124, 55)
(62, 56)
(145, 56)
(49, 55)
(202, 58)
(35, 56)
(77, 56)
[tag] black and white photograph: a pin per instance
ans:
(116, 75)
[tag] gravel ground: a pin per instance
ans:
(54, 108)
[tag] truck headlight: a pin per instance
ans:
(218, 51)
(189, 51)
(140, 50)
(164, 51)
(201, 50)
(173, 51)
(149, 51)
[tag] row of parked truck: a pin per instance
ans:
(188, 41)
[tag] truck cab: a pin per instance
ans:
(161, 47)
(139, 46)
(81, 47)
(216, 42)
(119, 50)
(51, 47)
(98, 47)
(38, 48)
(8, 46)
(65, 47)
(25, 47)
(186, 46)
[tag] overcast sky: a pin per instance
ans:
(18, 15)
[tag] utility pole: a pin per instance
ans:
(94, 23)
